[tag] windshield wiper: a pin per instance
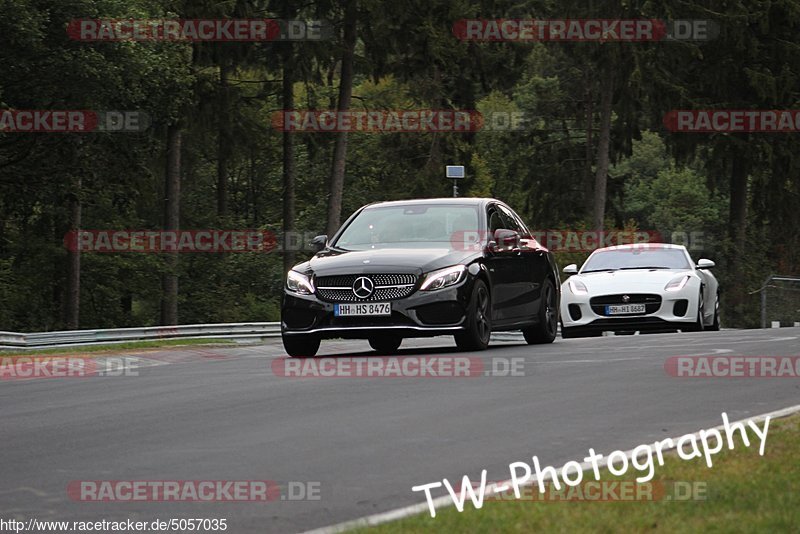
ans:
(645, 267)
(599, 271)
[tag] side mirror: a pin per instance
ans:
(319, 242)
(705, 264)
(506, 239)
(571, 269)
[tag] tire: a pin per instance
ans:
(575, 332)
(699, 326)
(479, 319)
(546, 329)
(385, 344)
(301, 346)
(715, 326)
(569, 333)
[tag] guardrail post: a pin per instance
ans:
(764, 302)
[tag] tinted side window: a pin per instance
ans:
(495, 221)
(512, 222)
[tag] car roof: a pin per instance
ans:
(641, 246)
(459, 201)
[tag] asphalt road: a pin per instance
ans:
(222, 414)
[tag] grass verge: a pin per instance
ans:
(100, 350)
(741, 492)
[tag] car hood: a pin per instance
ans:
(385, 260)
(633, 281)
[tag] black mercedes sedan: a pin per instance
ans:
(446, 266)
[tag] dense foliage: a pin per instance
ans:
(737, 194)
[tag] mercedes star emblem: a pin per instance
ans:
(363, 287)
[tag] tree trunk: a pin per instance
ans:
(738, 234)
(588, 177)
(73, 303)
(288, 163)
(345, 92)
(603, 145)
(224, 140)
(738, 204)
(172, 197)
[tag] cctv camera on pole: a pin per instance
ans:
(456, 173)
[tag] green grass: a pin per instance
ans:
(745, 493)
(98, 350)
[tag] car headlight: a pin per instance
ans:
(678, 283)
(577, 287)
(299, 283)
(443, 278)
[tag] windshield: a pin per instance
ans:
(636, 258)
(408, 226)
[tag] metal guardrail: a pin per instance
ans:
(763, 291)
(16, 340)
(76, 338)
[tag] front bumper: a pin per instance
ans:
(421, 314)
(673, 310)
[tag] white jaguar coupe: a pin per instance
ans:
(645, 287)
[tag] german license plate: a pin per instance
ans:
(371, 309)
(623, 309)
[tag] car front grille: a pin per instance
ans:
(651, 302)
(387, 287)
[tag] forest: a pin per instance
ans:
(598, 148)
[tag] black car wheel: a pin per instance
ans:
(699, 326)
(546, 329)
(385, 344)
(301, 346)
(715, 326)
(479, 322)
